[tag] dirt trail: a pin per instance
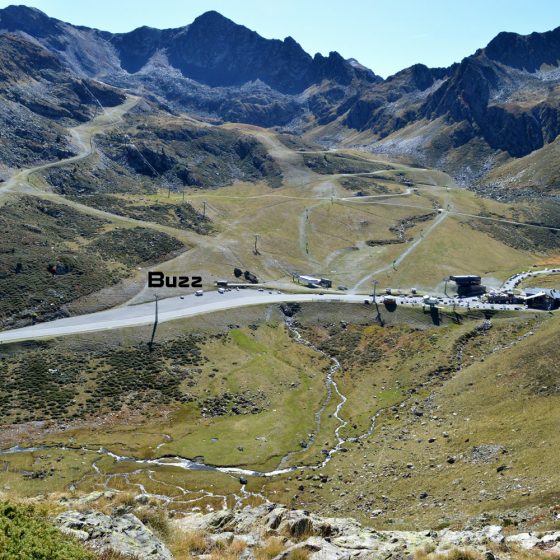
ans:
(82, 137)
(412, 247)
(422, 237)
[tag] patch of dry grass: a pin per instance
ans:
(517, 552)
(298, 554)
(156, 520)
(111, 554)
(502, 551)
(228, 551)
(185, 545)
(426, 553)
(271, 548)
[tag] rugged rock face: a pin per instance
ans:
(122, 533)
(212, 65)
(217, 52)
(391, 105)
(525, 52)
(32, 76)
(473, 93)
(213, 50)
(38, 98)
(499, 104)
(337, 538)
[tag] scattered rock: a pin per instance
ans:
(340, 538)
(142, 499)
(125, 534)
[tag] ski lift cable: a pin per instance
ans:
(152, 168)
(93, 96)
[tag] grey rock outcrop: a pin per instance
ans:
(328, 538)
(123, 533)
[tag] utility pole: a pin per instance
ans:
(445, 287)
(378, 318)
(151, 343)
(256, 249)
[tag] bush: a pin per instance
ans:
(25, 534)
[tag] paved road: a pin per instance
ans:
(516, 279)
(169, 309)
(191, 305)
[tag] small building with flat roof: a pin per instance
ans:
(313, 282)
(542, 298)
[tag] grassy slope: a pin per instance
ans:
(37, 234)
(455, 248)
(506, 395)
(299, 228)
(297, 231)
(537, 171)
(286, 385)
(551, 281)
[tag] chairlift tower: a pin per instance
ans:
(151, 343)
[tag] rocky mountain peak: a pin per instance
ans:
(525, 52)
(28, 20)
(212, 17)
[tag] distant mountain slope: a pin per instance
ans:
(473, 118)
(38, 98)
(501, 103)
(190, 66)
(217, 52)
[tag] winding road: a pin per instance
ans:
(190, 305)
(182, 307)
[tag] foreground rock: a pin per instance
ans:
(123, 533)
(338, 538)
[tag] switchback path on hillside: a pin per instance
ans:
(440, 218)
(322, 193)
(83, 142)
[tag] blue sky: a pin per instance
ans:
(385, 35)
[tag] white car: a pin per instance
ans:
(199, 292)
(221, 290)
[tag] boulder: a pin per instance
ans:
(125, 534)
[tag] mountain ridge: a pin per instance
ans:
(207, 50)
(499, 104)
